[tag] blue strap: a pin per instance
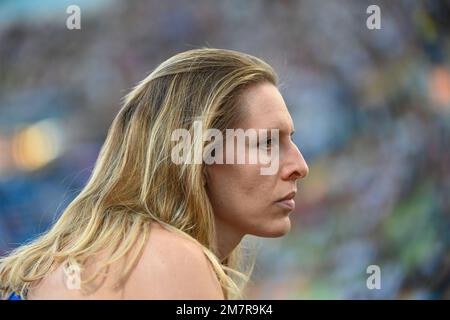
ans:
(14, 296)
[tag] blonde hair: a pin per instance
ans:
(134, 181)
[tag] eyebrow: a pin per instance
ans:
(277, 126)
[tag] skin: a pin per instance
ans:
(244, 201)
(170, 267)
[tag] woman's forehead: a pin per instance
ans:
(264, 108)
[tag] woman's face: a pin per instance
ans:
(244, 200)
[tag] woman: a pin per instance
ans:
(145, 227)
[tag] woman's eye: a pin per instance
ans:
(266, 144)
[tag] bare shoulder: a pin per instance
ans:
(172, 267)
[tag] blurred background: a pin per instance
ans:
(371, 110)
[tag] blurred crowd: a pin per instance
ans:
(371, 110)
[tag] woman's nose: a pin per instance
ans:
(295, 165)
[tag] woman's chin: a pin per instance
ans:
(276, 229)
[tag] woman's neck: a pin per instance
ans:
(227, 238)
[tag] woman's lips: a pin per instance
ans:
(287, 203)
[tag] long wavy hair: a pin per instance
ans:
(134, 182)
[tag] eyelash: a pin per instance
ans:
(268, 144)
(269, 141)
